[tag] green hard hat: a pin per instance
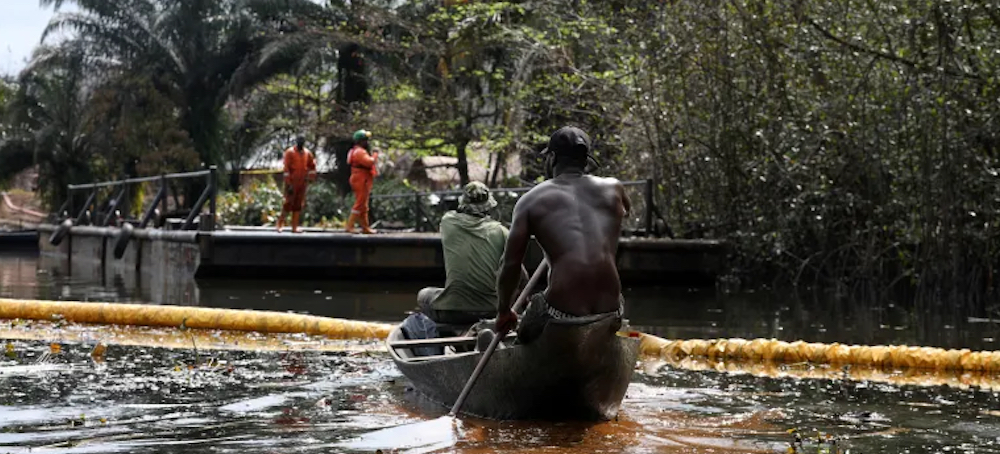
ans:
(361, 134)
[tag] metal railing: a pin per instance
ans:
(104, 212)
(425, 208)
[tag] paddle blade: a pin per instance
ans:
(414, 438)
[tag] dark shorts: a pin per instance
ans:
(539, 313)
(425, 301)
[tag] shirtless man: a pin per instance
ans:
(576, 219)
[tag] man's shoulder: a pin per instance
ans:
(603, 181)
(455, 217)
(452, 217)
(538, 190)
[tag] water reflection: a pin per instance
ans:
(140, 399)
(676, 313)
(143, 400)
(19, 275)
(705, 314)
(363, 300)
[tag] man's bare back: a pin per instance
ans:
(576, 218)
(577, 221)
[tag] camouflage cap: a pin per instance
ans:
(476, 198)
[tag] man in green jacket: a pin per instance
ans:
(473, 245)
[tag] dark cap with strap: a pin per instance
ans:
(570, 141)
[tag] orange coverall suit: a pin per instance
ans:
(363, 173)
(299, 167)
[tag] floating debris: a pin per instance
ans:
(97, 354)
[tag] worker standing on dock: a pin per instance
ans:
(363, 172)
(299, 170)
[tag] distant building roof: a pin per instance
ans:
(441, 172)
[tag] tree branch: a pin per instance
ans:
(883, 55)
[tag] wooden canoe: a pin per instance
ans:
(571, 372)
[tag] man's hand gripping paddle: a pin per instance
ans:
(441, 432)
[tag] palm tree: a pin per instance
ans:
(197, 52)
(16, 153)
(46, 115)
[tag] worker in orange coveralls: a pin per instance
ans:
(363, 172)
(300, 168)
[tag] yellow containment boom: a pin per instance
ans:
(902, 377)
(772, 351)
(173, 338)
(191, 317)
(775, 351)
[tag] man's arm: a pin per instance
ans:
(525, 277)
(311, 165)
(511, 267)
(626, 203)
(286, 165)
(363, 159)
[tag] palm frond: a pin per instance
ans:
(290, 9)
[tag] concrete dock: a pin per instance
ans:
(251, 253)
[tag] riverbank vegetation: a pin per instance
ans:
(850, 143)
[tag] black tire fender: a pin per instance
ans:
(60, 234)
(122, 239)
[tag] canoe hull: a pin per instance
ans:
(571, 372)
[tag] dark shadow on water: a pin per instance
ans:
(364, 300)
(705, 314)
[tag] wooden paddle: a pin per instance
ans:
(522, 299)
(440, 433)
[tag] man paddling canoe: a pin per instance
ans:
(576, 219)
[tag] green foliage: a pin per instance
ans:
(45, 122)
(16, 152)
(326, 206)
(843, 143)
(257, 204)
(136, 130)
(397, 212)
(850, 143)
(197, 53)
